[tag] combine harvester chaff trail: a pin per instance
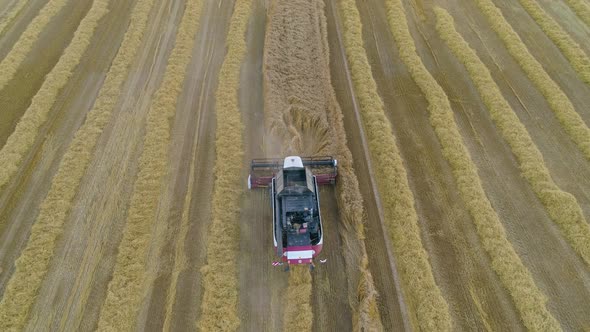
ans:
(297, 223)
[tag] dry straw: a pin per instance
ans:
(572, 50)
(427, 306)
(12, 13)
(25, 133)
(363, 302)
(298, 315)
(220, 286)
(33, 263)
(300, 102)
(516, 278)
(581, 8)
(558, 101)
(125, 290)
(562, 206)
(23, 46)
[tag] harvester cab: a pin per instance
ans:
(293, 186)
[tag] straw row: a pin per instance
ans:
(427, 306)
(581, 8)
(26, 131)
(32, 265)
(529, 300)
(298, 315)
(23, 46)
(558, 101)
(363, 300)
(125, 290)
(12, 13)
(571, 50)
(562, 206)
(219, 305)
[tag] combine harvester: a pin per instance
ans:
(297, 225)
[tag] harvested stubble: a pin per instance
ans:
(529, 300)
(126, 288)
(558, 101)
(581, 8)
(23, 136)
(32, 265)
(23, 46)
(12, 13)
(219, 305)
(428, 309)
(363, 302)
(571, 50)
(562, 206)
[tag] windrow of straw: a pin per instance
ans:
(363, 302)
(571, 50)
(298, 314)
(581, 8)
(562, 206)
(558, 101)
(32, 265)
(529, 300)
(220, 285)
(23, 136)
(23, 46)
(428, 309)
(11, 14)
(125, 290)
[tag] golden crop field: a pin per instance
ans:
(461, 130)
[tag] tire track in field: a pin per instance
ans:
(26, 131)
(391, 304)
(528, 226)
(528, 298)
(20, 50)
(427, 308)
(219, 304)
(10, 13)
(14, 30)
(193, 157)
(99, 210)
(45, 52)
(458, 260)
(20, 200)
(33, 264)
(562, 106)
(570, 49)
(262, 286)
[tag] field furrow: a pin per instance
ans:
(562, 206)
(17, 55)
(517, 279)
(131, 273)
(25, 133)
(427, 307)
(571, 50)
(33, 263)
(564, 110)
(461, 131)
(7, 16)
(47, 49)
